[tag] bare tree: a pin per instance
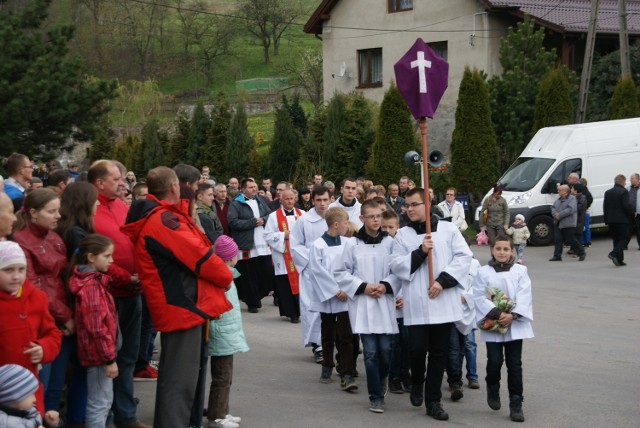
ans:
(306, 73)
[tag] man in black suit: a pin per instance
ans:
(394, 199)
(617, 215)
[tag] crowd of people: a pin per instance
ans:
(94, 265)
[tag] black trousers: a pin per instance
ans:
(335, 330)
(635, 227)
(511, 352)
(434, 340)
(255, 280)
(620, 235)
(566, 235)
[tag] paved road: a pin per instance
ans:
(581, 370)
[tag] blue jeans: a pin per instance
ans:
(129, 314)
(520, 251)
(377, 354)
(470, 350)
(100, 397)
(53, 376)
(400, 353)
(147, 337)
(456, 355)
(586, 234)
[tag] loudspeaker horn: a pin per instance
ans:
(436, 158)
(412, 158)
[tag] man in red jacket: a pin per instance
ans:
(184, 284)
(125, 287)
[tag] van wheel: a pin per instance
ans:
(541, 228)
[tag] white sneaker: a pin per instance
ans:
(234, 419)
(223, 423)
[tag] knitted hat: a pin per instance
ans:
(226, 248)
(11, 254)
(16, 384)
(520, 217)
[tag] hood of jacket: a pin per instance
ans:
(82, 274)
(139, 214)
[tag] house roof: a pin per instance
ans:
(563, 16)
(570, 16)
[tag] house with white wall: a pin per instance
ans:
(363, 39)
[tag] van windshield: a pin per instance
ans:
(524, 173)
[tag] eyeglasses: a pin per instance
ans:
(373, 216)
(450, 194)
(414, 204)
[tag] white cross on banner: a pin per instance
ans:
(422, 65)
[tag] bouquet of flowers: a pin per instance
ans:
(503, 303)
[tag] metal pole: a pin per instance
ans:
(625, 67)
(425, 196)
(588, 60)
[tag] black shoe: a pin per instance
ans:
(295, 320)
(456, 392)
(417, 396)
(622, 263)
(253, 310)
(406, 384)
(276, 301)
(614, 259)
(395, 386)
(587, 245)
(571, 252)
(555, 259)
(493, 396)
(435, 410)
(582, 257)
(515, 408)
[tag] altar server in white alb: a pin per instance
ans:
(365, 276)
(502, 272)
(429, 309)
(348, 201)
(331, 301)
(306, 230)
(277, 231)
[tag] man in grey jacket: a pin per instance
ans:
(565, 215)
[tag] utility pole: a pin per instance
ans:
(588, 60)
(625, 66)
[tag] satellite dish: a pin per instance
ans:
(343, 69)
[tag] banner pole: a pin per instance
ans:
(427, 200)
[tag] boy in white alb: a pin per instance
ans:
(429, 309)
(366, 279)
(306, 230)
(330, 300)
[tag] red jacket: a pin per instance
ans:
(46, 262)
(96, 317)
(183, 280)
(23, 320)
(110, 216)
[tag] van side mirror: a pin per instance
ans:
(551, 187)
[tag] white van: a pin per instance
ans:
(597, 151)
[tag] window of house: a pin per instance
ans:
(370, 68)
(440, 48)
(399, 5)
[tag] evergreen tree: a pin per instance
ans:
(126, 151)
(605, 75)
(240, 145)
(335, 126)
(394, 137)
(217, 135)
(45, 94)
(310, 158)
(197, 136)
(358, 137)
(553, 101)
(285, 147)
(137, 155)
(298, 116)
(179, 140)
(474, 153)
(524, 62)
(103, 142)
(624, 102)
(153, 154)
